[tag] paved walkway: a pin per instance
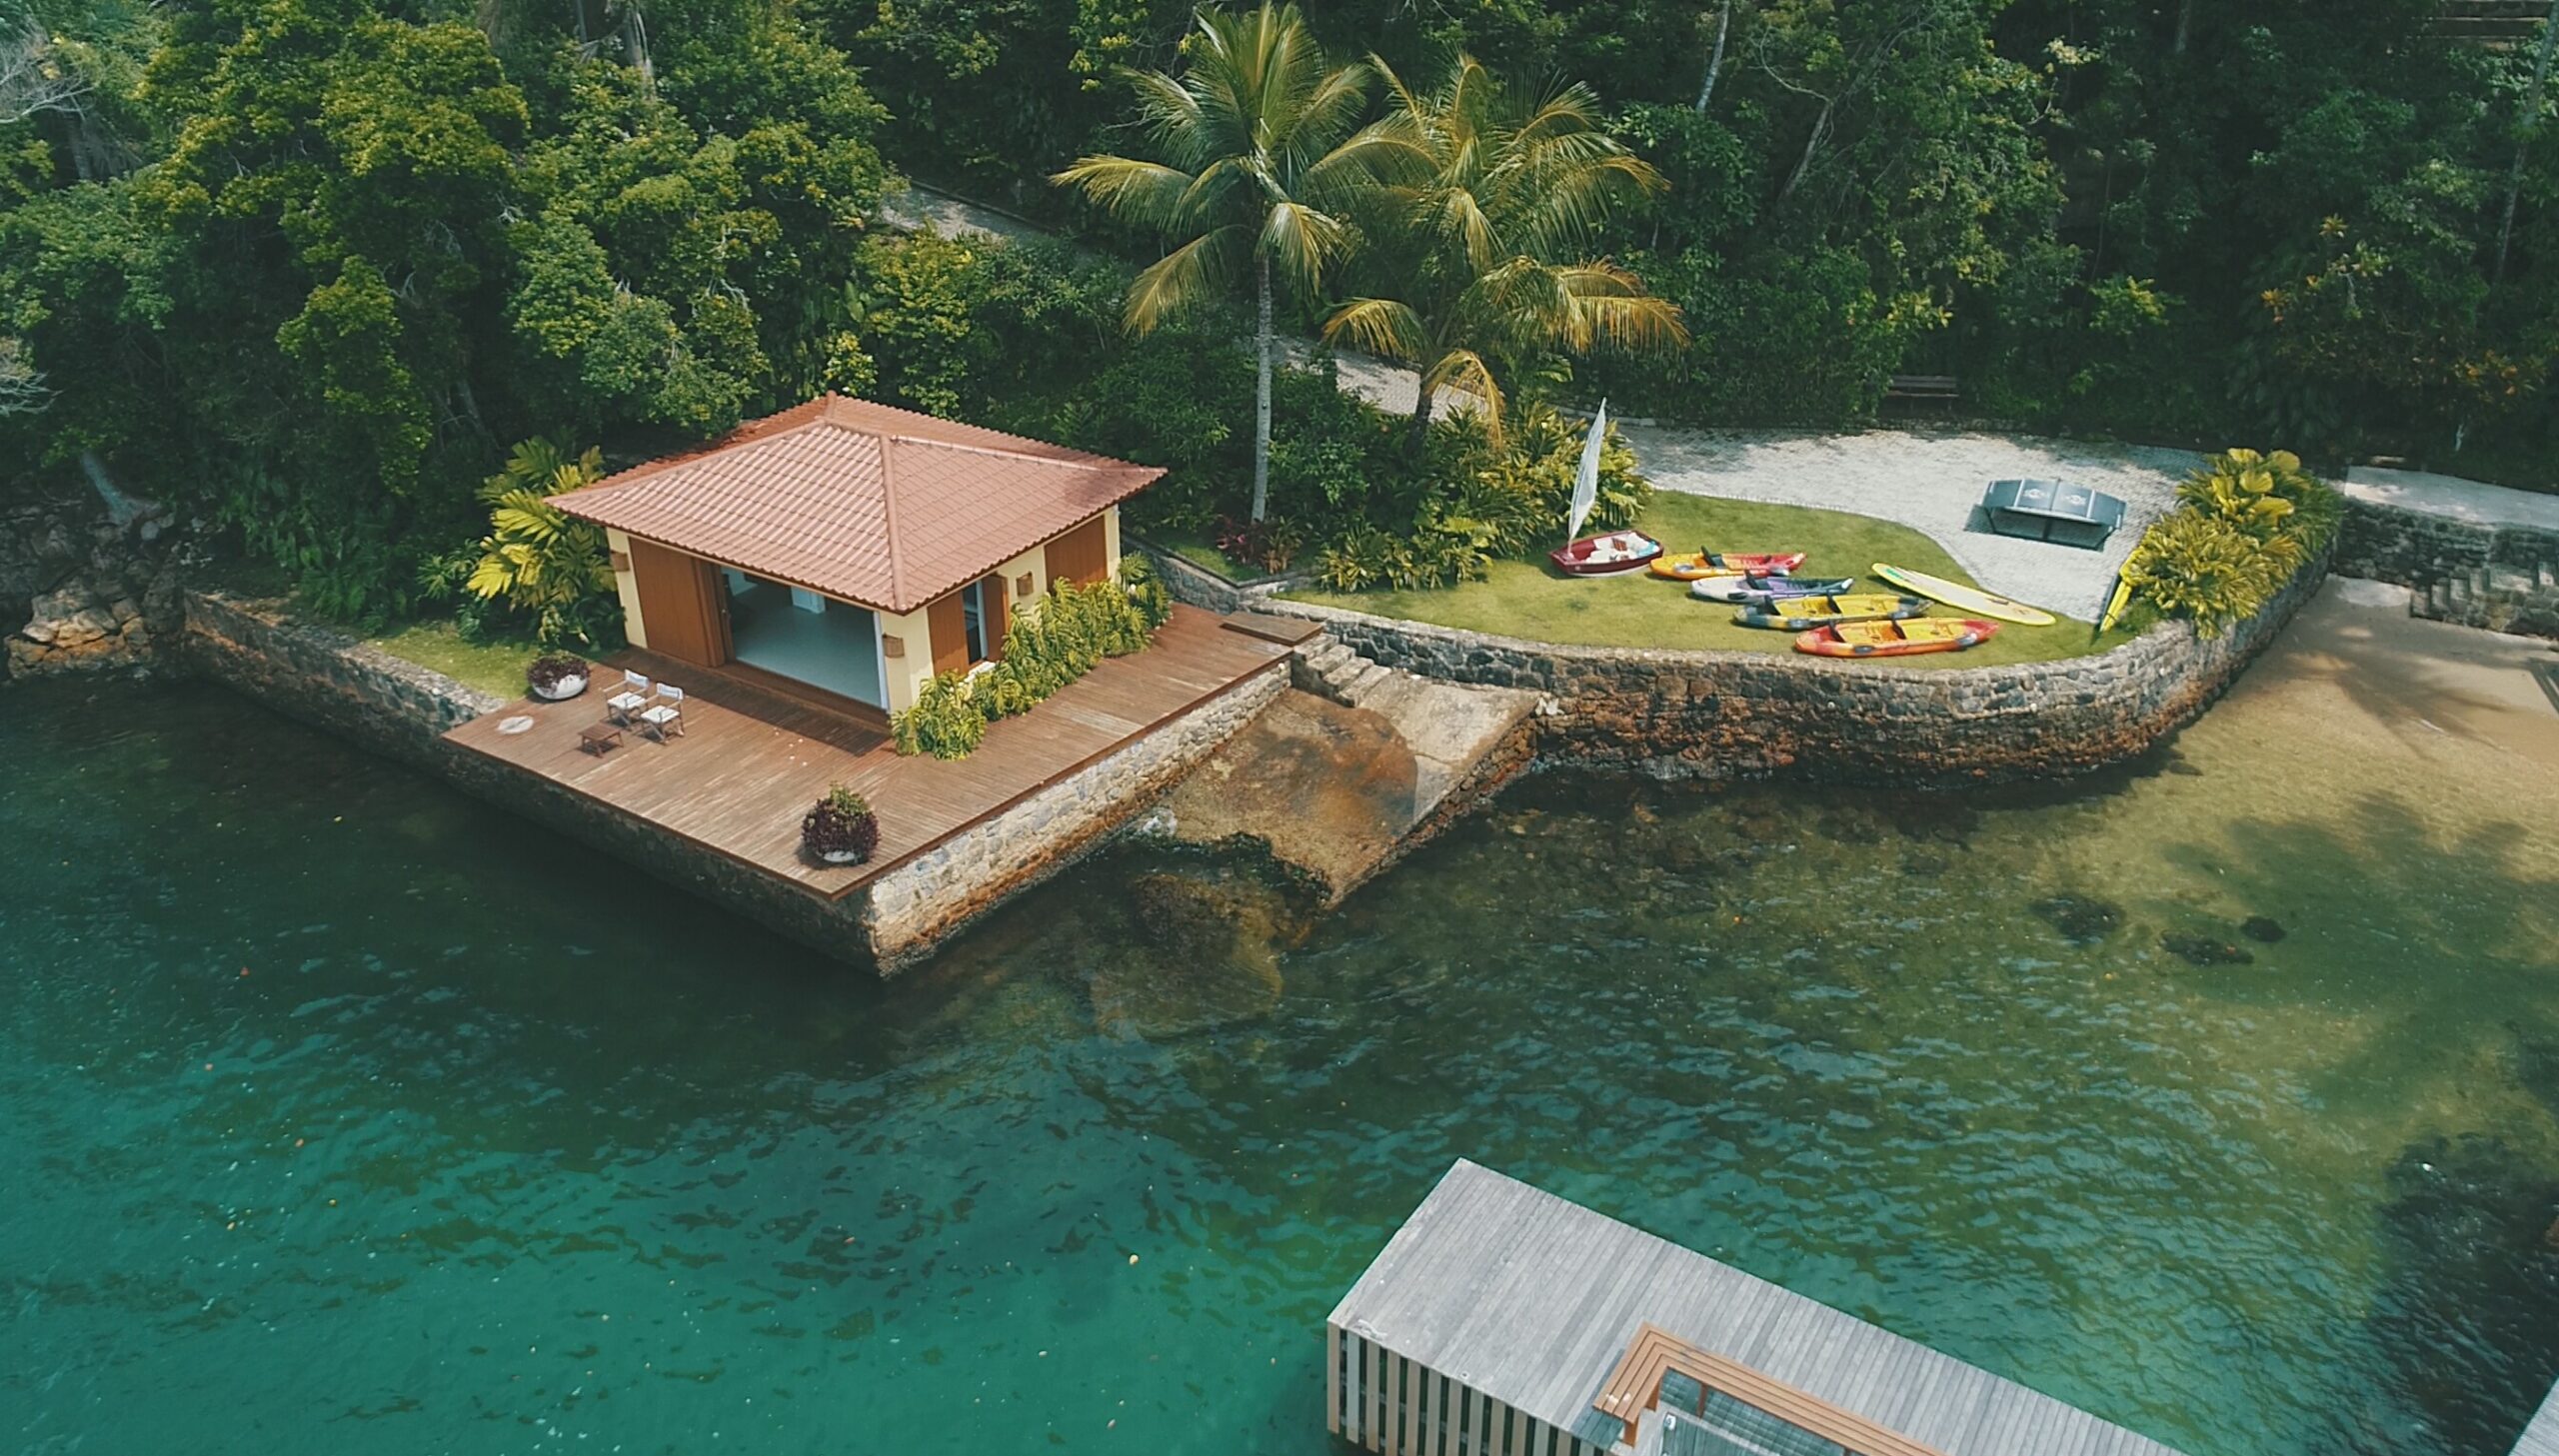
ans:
(2452, 497)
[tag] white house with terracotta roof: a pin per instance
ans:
(852, 547)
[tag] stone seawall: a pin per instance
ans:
(326, 678)
(2418, 548)
(914, 906)
(1721, 714)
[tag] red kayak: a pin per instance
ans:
(1605, 555)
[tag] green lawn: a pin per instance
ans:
(490, 666)
(1532, 599)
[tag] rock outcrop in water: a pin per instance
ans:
(96, 594)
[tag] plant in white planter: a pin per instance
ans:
(554, 677)
(840, 828)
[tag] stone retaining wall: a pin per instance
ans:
(323, 677)
(1721, 714)
(2416, 549)
(919, 904)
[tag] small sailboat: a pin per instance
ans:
(1754, 590)
(1605, 554)
(1797, 613)
(1898, 639)
(1698, 565)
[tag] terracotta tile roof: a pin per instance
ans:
(861, 501)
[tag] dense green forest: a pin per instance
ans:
(314, 267)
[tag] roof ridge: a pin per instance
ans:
(888, 519)
(1080, 459)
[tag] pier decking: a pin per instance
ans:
(749, 761)
(2541, 1438)
(1499, 1318)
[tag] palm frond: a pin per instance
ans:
(1378, 326)
(1147, 194)
(1300, 240)
(1183, 278)
(1466, 372)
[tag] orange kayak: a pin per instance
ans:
(1895, 639)
(1698, 565)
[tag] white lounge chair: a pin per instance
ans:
(664, 715)
(634, 696)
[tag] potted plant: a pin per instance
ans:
(554, 677)
(840, 828)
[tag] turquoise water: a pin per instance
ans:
(341, 1113)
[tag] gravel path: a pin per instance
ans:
(2453, 497)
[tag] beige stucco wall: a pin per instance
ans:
(626, 585)
(905, 674)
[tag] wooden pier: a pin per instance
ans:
(2541, 1438)
(1504, 1321)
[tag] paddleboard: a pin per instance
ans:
(2115, 605)
(1965, 599)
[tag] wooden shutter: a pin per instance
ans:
(1081, 555)
(950, 631)
(681, 604)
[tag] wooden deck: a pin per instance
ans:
(751, 762)
(2541, 1438)
(1494, 1318)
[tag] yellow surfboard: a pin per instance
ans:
(1965, 599)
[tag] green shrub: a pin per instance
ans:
(1048, 645)
(2270, 496)
(945, 721)
(2204, 568)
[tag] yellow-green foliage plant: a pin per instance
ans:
(537, 558)
(1049, 645)
(2204, 568)
(2268, 495)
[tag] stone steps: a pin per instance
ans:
(1329, 668)
(2498, 597)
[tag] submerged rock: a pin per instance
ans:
(2261, 928)
(1210, 956)
(2081, 921)
(2204, 949)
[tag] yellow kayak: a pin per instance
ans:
(1795, 613)
(1965, 599)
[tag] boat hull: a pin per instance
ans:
(1895, 639)
(1696, 565)
(1613, 553)
(1804, 612)
(1757, 590)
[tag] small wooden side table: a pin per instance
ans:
(600, 738)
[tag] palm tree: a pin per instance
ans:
(1488, 254)
(1259, 147)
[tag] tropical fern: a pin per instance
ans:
(537, 558)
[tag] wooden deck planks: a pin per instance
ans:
(752, 761)
(1532, 1300)
(2541, 1435)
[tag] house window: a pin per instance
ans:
(973, 619)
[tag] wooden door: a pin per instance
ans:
(1081, 555)
(949, 626)
(684, 606)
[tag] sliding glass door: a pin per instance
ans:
(809, 639)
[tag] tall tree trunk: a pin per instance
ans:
(1421, 411)
(1715, 63)
(1262, 394)
(2523, 138)
(2185, 23)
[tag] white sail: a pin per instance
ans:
(1585, 486)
